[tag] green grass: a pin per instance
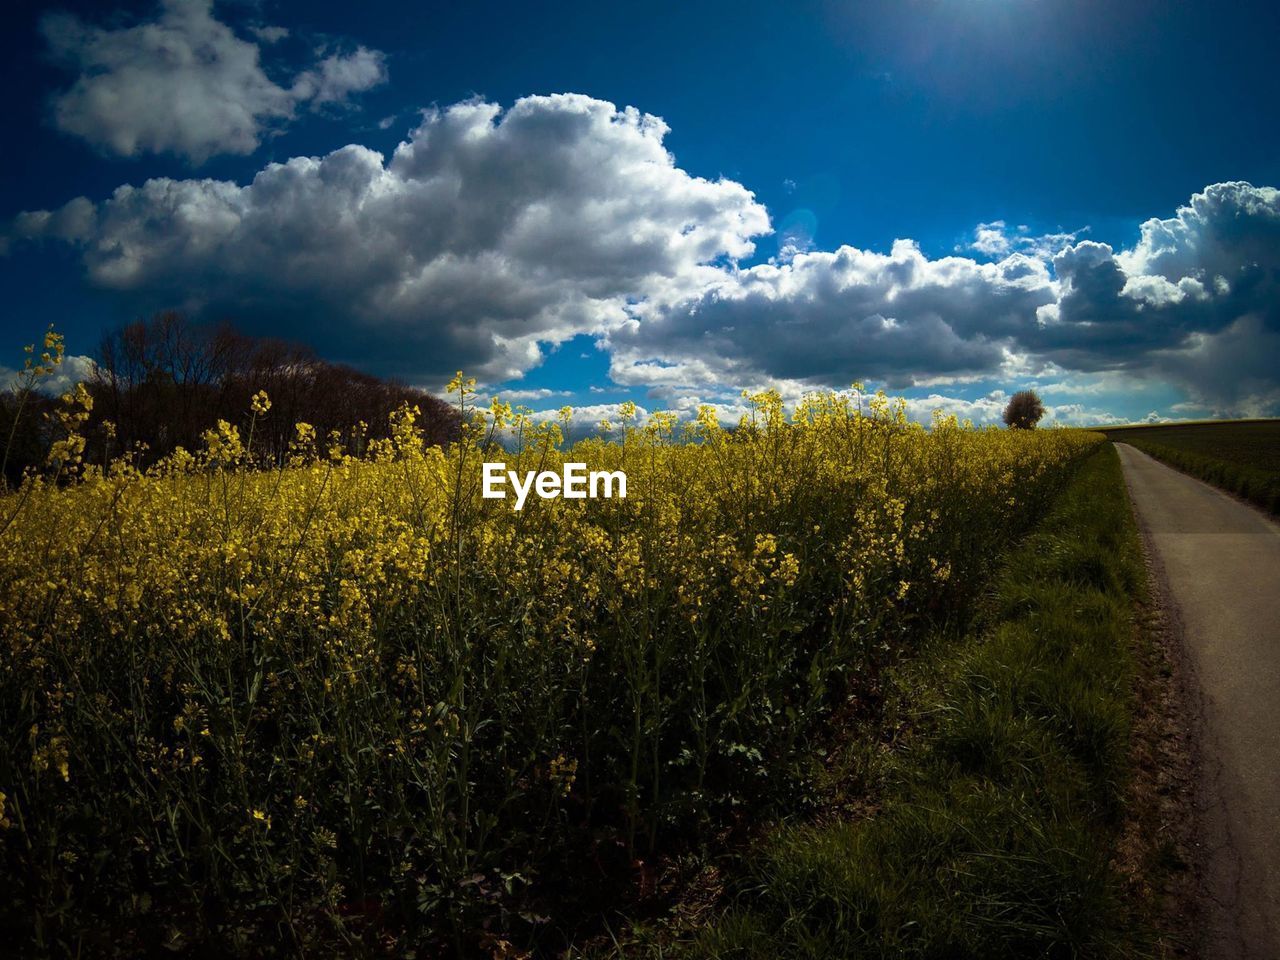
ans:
(997, 828)
(1242, 456)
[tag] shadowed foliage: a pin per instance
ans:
(351, 702)
(996, 836)
(160, 383)
(1024, 410)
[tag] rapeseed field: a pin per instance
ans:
(347, 700)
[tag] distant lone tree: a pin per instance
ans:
(1024, 410)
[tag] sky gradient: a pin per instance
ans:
(581, 204)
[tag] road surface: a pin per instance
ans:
(1220, 563)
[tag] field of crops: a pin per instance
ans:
(1242, 456)
(1248, 443)
(351, 702)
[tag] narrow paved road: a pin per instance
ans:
(1220, 561)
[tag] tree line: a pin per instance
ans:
(160, 383)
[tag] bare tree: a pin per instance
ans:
(165, 380)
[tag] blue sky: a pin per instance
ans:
(944, 197)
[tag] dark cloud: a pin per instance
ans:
(1232, 372)
(1197, 300)
(831, 317)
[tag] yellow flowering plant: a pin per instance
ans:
(456, 689)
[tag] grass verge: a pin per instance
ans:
(997, 832)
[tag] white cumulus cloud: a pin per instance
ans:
(489, 233)
(486, 232)
(185, 83)
(338, 75)
(73, 369)
(830, 317)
